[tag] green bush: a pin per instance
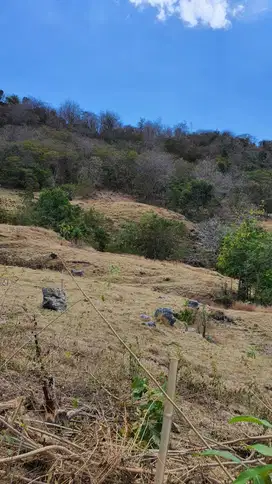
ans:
(97, 229)
(260, 186)
(268, 206)
(53, 209)
(153, 237)
(24, 165)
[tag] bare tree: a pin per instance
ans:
(210, 234)
(109, 122)
(90, 175)
(91, 121)
(153, 173)
(71, 112)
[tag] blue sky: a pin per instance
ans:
(208, 62)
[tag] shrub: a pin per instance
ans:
(96, 229)
(72, 232)
(268, 206)
(153, 237)
(53, 209)
(258, 474)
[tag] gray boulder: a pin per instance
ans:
(192, 303)
(54, 299)
(166, 315)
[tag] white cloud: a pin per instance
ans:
(216, 14)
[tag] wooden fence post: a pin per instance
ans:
(167, 422)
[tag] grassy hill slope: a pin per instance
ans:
(215, 380)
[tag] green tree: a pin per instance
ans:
(53, 209)
(190, 197)
(246, 254)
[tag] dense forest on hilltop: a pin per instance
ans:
(202, 174)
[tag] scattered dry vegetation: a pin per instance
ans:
(88, 441)
(240, 306)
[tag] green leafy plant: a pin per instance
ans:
(251, 352)
(71, 232)
(260, 474)
(186, 315)
(148, 401)
(70, 190)
(54, 210)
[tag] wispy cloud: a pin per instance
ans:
(255, 7)
(216, 14)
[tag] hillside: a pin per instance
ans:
(202, 175)
(68, 408)
(78, 349)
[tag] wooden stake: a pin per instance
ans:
(50, 398)
(167, 422)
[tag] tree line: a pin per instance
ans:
(201, 174)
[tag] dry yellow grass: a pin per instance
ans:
(120, 208)
(267, 224)
(213, 380)
(9, 199)
(137, 286)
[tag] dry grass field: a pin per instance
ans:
(215, 381)
(91, 368)
(120, 208)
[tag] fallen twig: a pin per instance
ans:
(56, 437)
(14, 431)
(41, 450)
